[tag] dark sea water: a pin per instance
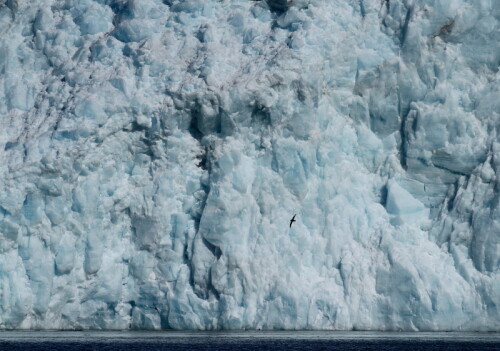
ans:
(243, 341)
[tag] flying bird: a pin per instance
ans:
(292, 220)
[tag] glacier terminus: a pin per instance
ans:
(152, 153)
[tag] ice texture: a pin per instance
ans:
(153, 152)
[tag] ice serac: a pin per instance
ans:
(152, 153)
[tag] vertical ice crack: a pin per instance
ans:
(402, 131)
(404, 29)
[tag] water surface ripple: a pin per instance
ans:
(243, 341)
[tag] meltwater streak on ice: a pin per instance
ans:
(152, 153)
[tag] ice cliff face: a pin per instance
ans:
(152, 153)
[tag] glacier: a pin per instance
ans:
(153, 152)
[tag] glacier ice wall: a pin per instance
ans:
(152, 153)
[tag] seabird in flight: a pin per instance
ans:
(292, 220)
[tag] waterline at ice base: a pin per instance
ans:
(153, 153)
